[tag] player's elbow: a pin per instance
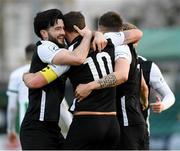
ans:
(80, 61)
(122, 79)
(125, 78)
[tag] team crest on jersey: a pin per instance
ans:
(53, 48)
(118, 33)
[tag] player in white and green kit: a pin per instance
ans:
(17, 94)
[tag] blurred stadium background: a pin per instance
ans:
(159, 20)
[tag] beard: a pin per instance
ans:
(54, 40)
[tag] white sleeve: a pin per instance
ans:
(47, 50)
(156, 78)
(59, 69)
(117, 38)
(123, 51)
(167, 96)
(65, 114)
(11, 113)
(13, 83)
(158, 83)
(12, 94)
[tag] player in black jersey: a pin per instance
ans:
(155, 81)
(97, 107)
(130, 118)
(89, 145)
(129, 99)
(40, 129)
(98, 111)
(94, 123)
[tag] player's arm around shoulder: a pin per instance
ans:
(79, 54)
(34, 80)
(123, 60)
(45, 76)
(132, 36)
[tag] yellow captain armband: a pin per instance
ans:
(49, 74)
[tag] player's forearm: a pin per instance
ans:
(11, 115)
(144, 97)
(105, 82)
(110, 80)
(132, 36)
(168, 101)
(167, 96)
(34, 80)
(144, 92)
(82, 50)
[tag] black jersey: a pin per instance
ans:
(146, 67)
(96, 66)
(128, 95)
(44, 103)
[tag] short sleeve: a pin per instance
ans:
(60, 69)
(117, 38)
(47, 50)
(123, 51)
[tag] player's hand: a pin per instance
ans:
(99, 41)
(144, 105)
(82, 91)
(12, 137)
(158, 106)
(13, 142)
(26, 77)
(83, 32)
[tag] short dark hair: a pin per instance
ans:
(74, 18)
(111, 20)
(29, 50)
(46, 19)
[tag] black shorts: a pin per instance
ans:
(93, 132)
(36, 135)
(134, 137)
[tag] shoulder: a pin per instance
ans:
(123, 49)
(47, 50)
(116, 37)
(114, 34)
(142, 58)
(155, 68)
(48, 45)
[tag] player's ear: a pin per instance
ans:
(44, 34)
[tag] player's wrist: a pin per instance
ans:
(92, 85)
